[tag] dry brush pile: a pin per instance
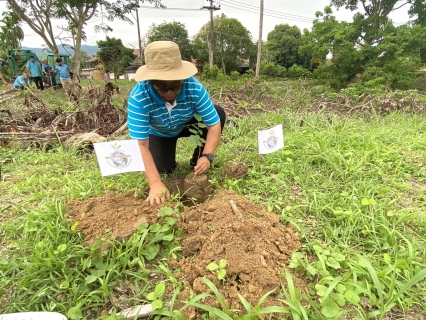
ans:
(91, 111)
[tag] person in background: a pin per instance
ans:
(22, 82)
(49, 74)
(64, 75)
(34, 69)
(162, 108)
(1, 74)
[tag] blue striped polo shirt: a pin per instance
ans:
(147, 113)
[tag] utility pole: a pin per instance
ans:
(139, 35)
(259, 42)
(211, 40)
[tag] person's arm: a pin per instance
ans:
(210, 118)
(28, 68)
(158, 191)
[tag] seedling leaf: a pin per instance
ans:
(212, 266)
(160, 289)
(330, 308)
(156, 304)
(222, 263)
(221, 274)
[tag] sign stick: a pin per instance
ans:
(105, 188)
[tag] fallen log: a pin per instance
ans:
(24, 140)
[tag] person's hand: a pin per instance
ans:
(203, 164)
(158, 193)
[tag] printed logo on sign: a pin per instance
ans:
(118, 159)
(272, 141)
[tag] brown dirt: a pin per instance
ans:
(110, 216)
(197, 187)
(255, 245)
(235, 170)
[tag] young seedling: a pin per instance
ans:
(221, 268)
(156, 295)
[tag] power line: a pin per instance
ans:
(279, 16)
(275, 12)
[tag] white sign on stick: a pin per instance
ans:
(118, 157)
(270, 140)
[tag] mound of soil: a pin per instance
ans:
(253, 242)
(110, 216)
(235, 170)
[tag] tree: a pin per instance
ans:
(233, 42)
(346, 57)
(39, 16)
(114, 55)
(283, 46)
(172, 31)
(11, 33)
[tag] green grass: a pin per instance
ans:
(353, 187)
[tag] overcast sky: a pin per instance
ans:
(293, 12)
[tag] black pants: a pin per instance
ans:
(163, 150)
(39, 82)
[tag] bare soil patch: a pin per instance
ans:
(110, 216)
(252, 240)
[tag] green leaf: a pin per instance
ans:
(151, 296)
(339, 298)
(332, 263)
(372, 202)
(221, 274)
(321, 289)
(317, 248)
(150, 251)
(390, 213)
(160, 289)
(212, 266)
(98, 273)
(330, 308)
(75, 313)
(197, 117)
(170, 221)
(222, 263)
(352, 297)
(168, 237)
(341, 288)
(165, 211)
(311, 269)
(154, 227)
(156, 304)
(387, 258)
(74, 226)
(64, 285)
(365, 202)
(62, 247)
(90, 279)
(338, 256)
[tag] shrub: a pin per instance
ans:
(296, 71)
(210, 73)
(235, 75)
(272, 69)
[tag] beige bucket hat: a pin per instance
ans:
(164, 62)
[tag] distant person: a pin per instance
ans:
(1, 74)
(64, 75)
(49, 74)
(22, 82)
(34, 68)
(107, 77)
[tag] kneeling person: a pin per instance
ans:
(161, 109)
(22, 82)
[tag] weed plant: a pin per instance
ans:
(354, 189)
